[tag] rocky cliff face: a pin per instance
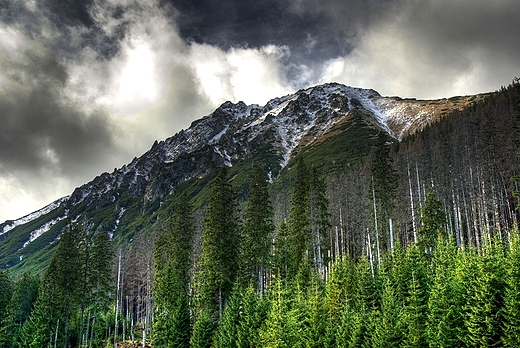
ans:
(233, 133)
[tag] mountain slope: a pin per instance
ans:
(334, 125)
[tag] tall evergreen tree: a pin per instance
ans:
(383, 188)
(61, 292)
(511, 337)
(299, 222)
(485, 290)
(432, 222)
(6, 291)
(172, 262)
(257, 232)
(218, 263)
(446, 297)
(281, 251)
(309, 223)
(388, 330)
(319, 221)
(18, 310)
(99, 286)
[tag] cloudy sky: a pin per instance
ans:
(87, 85)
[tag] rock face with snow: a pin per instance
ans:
(232, 133)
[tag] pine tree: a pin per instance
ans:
(445, 301)
(6, 291)
(483, 309)
(282, 325)
(172, 262)
(203, 330)
(350, 331)
(314, 316)
(227, 334)
(432, 222)
(257, 232)
(383, 189)
(281, 251)
(99, 284)
(309, 223)
(511, 336)
(218, 263)
(61, 293)
(252, 316)
(299, 223)
(319, 222)
(388, 319)
(18, 310)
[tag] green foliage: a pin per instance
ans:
(511, 311)
(203, 330)
(257, 232)
(242, 320)
(383, 189)
(484, 298)
(75, 287)
(299, 238)
(388, 319)
(432, 221)
(309, 222)
(18, 309)
(172, 256)
(281, 251)
(218, 264)
(281, 325)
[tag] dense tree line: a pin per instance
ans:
(71, 305)
(432, 293)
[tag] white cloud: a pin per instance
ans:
(431, 50)
(246, 74)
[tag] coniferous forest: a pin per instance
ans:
(240, 274)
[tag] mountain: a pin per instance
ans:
(462, 146)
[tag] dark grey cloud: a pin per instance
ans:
(41, 126)
(232, 23)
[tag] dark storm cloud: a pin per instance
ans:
(42, 129)
(315, 32)
(235, 23)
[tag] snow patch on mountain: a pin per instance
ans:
(34, 216)
(41, 230)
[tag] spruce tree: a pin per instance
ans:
(227, 334)
(203, 330)
(483, 316)
(511, 311)
(218, 262)
(383, 189)
(309, 223)
(281, 251)
(172, 262)
(257, 232)
(319, 221)
(388, 330)
(446, 296)
(18, 310)
(6, 291)
(252, 316)
(99, 287)
(282, 326)
(432, 222)
(299, 222)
